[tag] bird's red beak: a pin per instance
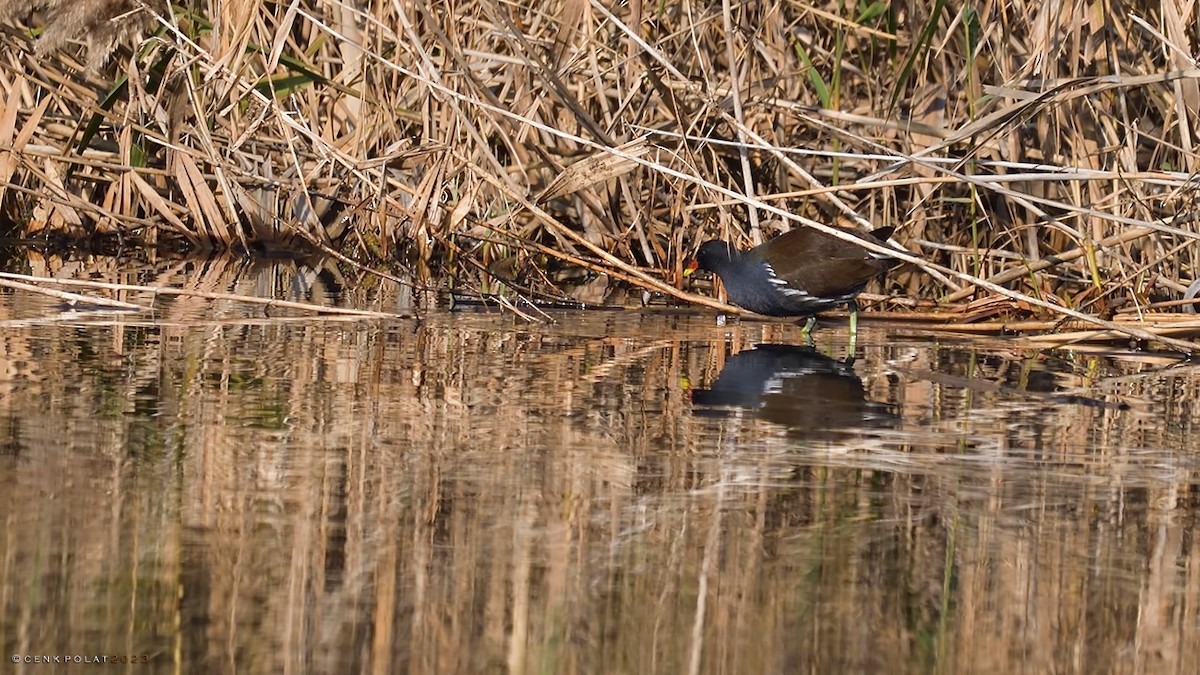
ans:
(691, 267)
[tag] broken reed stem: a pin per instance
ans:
(72, 298)
(208, 295)
(1027, 268)
(630, 272)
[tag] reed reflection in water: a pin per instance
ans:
(476, 494)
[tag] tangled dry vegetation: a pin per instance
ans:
(1038, 159)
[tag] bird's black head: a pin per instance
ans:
(713, 256)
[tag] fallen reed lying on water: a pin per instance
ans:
(1042, 159)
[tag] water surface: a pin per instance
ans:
(220, 489)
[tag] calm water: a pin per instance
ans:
(215, 490)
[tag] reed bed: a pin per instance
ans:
(1037, 156)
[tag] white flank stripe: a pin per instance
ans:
(781, 283)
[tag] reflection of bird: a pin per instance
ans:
(796, 387)
(799, 273)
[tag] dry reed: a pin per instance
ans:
(1025, 151)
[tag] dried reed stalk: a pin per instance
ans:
(1040, 156)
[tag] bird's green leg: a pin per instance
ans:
(807, 330)
(853, 306)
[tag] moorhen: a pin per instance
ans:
(798, 273)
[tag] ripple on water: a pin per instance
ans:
(473, 490)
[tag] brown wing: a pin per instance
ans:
(824, 265)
